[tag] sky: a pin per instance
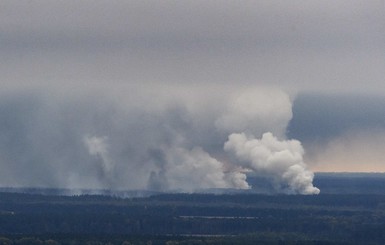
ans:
(146, 94)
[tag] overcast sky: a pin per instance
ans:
(297, 45)
(109, 73)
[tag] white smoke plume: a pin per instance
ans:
(259, 111)
(282, 161)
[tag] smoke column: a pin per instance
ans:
(257, 112)
(98, 148)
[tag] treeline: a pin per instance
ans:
(251, 239)
(195, 218)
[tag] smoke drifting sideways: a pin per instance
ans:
(146, 143)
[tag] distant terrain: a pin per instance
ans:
(349, 210)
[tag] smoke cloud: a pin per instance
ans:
(282, 161)
(260, 112)
(109, 142)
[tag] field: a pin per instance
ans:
(349, 210)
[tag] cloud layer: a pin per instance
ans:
(312, 45)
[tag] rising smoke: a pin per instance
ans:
(173, 145)
(257, 112)
(98, 148)
(281, 161)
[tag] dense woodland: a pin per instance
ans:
(338, 216)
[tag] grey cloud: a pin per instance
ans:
(215, 20)
(320, 117)
(297, 45)
(340, 132)
(359, 150)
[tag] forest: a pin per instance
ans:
(350, 210)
